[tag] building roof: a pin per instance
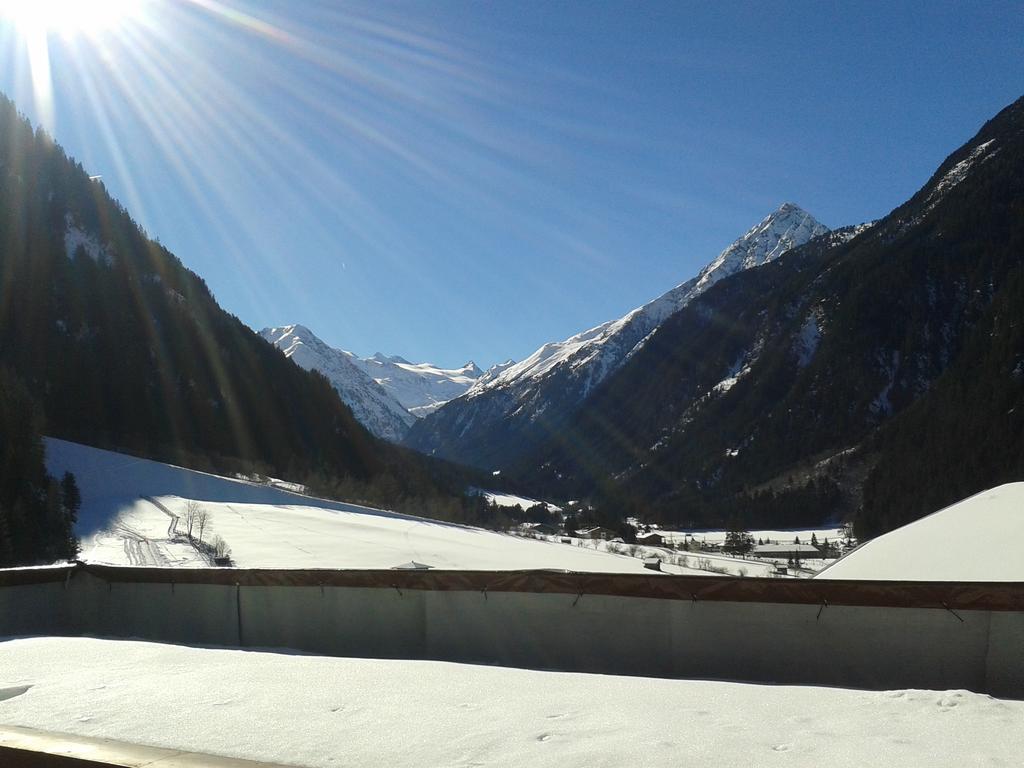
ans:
(536, 526)
(768, 549)
(976, 539)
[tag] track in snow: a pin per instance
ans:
(141, 551)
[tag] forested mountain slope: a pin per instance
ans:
(126, 348)
(773, 394)
(504, 417)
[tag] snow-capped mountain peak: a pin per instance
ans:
(371, 404)
(784, 229)
(386, 393)
(597, 352)
(421, 388)
(380, 357)
(518, 402)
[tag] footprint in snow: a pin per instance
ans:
(950, 701)
(782, 747)
(14, 690)
(544, 737)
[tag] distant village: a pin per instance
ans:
(643, 540)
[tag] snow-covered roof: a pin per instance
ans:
(652, 536)
(412, 565)
(977, 539)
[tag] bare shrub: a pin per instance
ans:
(202, 518)
(192, 510)
(220, 547)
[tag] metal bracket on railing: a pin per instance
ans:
(398, 590)
(958, 616)
(693, 596)
(484, 591)
(578, 596)
(824, 605)
(238, 611)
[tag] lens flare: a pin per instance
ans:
(68, 17)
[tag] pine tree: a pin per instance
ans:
(72, 502)
(738, 540)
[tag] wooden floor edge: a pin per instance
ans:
(22, 747)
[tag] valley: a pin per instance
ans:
(260, 506)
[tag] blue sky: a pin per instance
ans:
(467, 180)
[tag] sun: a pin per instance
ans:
(69, 17)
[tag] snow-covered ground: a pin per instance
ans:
(708, 562)
(977, 539)
(734, 565)
(129, 507)
(323, 712)
(767, 536)
(512, 500)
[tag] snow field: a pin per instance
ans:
(707, 563)
(768, 536)
(674, 561)
(128, 507)
(297, 536)
(511, 500)
(324, 712)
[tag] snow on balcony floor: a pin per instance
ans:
(326, 712)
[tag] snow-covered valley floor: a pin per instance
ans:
(325, 712)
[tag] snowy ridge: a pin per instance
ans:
(386, 394)
(421, 388)
(788, 227)
(959, 172)
(502, 415)
(374, 407)
(597, 352)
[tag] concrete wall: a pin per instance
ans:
(758, 640)
(35, 609)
